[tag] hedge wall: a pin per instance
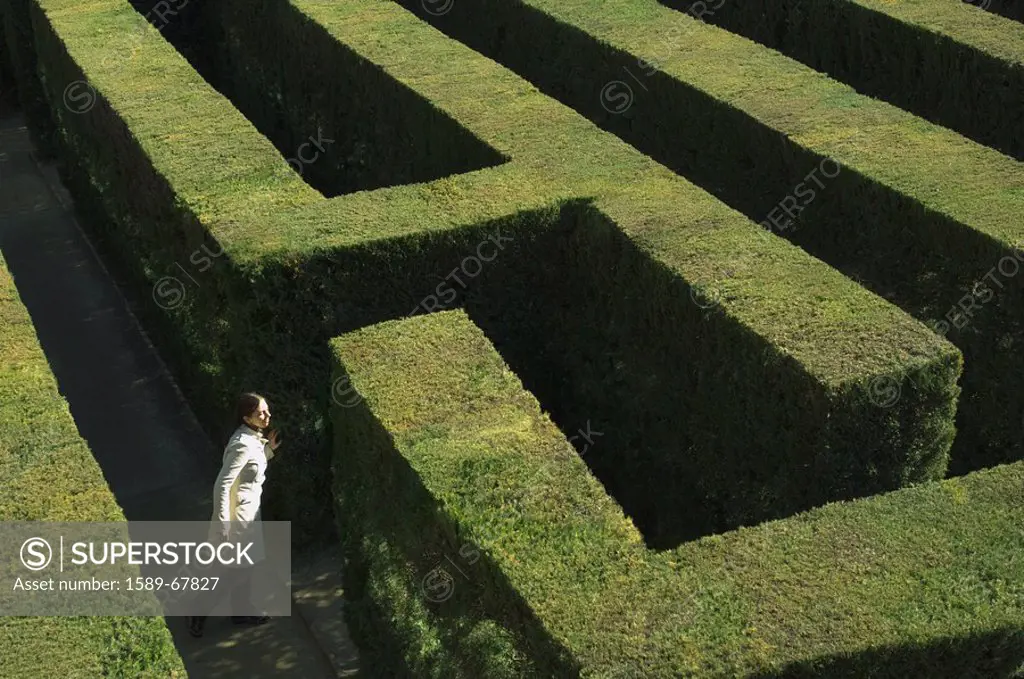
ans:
(47, 473)
(604, 369)
(7, 85)
(1011, 9)
(893, 202)
(150, 183)
(922, 582)
(480, 545)
(948, 62)
(16, 30)
(366, 146)
(269, 270)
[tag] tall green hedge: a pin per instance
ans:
(480, 545)
(913, 211)
(149, 189)
(948, 62)
(366, 146)
(270, 270)
(1011, 9)
(47, 473)
(7, 85)
(16, 31)
(601, 370)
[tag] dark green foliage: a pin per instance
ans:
(403, 542)
(461, 507)
(947, 62)
(180, 275)
(381, 133)
(1011, 9)
(694, 438)
(7, 86)
(893, 200)
(732, 377)
(19, 52)
(677, 409)
(680, 391)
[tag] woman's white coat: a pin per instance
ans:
(239, 487)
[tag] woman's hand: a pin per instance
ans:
(273, 442)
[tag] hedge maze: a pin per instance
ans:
(613, 343)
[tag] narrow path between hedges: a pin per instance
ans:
(155, 457)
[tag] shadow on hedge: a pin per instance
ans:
(996, 655)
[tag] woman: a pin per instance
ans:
(236, 501)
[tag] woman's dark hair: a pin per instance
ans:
(247, 405)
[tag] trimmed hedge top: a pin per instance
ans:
(948, 62)
(975, 185)
(233, 180)
(784, 323)
(930, 566)
(970, 25)
(765, 283)
(219, 165)
(932, 574)
(506, 478)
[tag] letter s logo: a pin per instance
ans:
(36, 554)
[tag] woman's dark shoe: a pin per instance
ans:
(250, 619)
(195, 625)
